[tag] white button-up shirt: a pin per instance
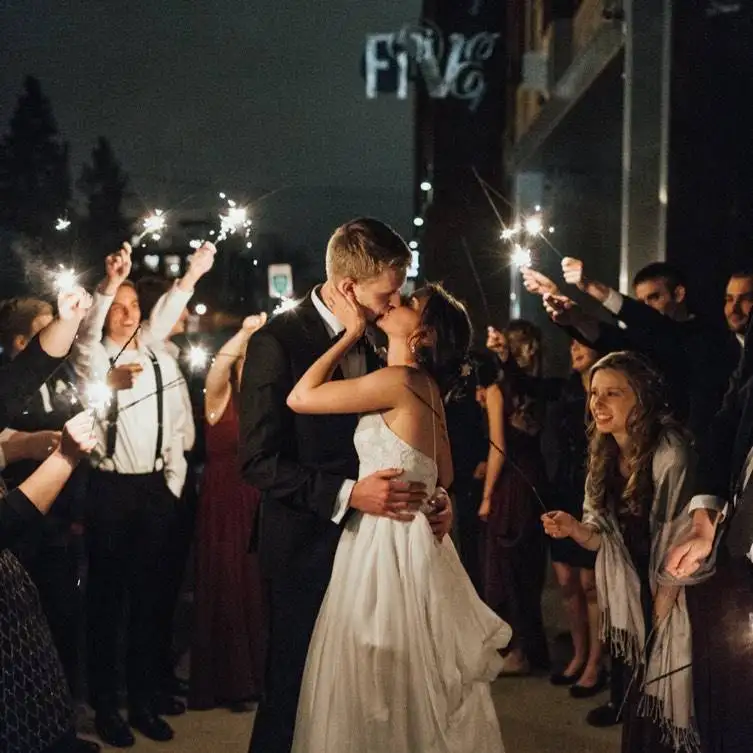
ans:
(136, 442)
(353, 365)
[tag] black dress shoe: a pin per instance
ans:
(175, 686)
(83, 746)
(603, 716)
(150, 725)
(561, 679)
(586, 691)
(166, 705)
(113, 730)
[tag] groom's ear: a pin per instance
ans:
(346, 285)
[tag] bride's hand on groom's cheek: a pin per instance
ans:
(441, 519)
(384, 494)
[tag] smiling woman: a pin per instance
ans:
(641, 473)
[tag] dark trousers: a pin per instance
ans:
(294, 599)
(51, 557)
(174, 563)
(130, 521)
(467, 498)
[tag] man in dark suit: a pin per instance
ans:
(306, 466)
(721, 608)
(694, 354)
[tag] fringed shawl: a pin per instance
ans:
(667, 673)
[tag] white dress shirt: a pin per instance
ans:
(353, 365)
(5, 435)
(136, 443)
(185, 425)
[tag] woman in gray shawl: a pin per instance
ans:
(641, 469)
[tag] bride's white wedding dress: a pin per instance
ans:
(403, 650)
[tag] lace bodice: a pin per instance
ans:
(379, 448)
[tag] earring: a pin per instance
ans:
(413, 349)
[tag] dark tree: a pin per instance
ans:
(35, 185)
(104, 184)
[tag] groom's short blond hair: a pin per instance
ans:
(363, 248)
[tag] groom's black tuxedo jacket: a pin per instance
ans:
(297, 461)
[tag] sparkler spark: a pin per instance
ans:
(285, 304)
(62, 224)
(197, 357)
(65, 280)
(520, 257)
(154, 224)
(510, 232)
(534, 225)
(98, 396)
(234, 220)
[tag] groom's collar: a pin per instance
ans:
(334, 327)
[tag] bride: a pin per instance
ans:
(403, 650)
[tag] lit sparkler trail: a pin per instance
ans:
(65, 280)
(285, 304)
(534, 225)
(62, 224)
(197, 357)
(233, 221)
(520, 257)
(98, 396)
(154, 225)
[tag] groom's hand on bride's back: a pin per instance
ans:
(384, 494)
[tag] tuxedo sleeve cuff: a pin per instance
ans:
(343, 501)
(613, 302)
(708, 502)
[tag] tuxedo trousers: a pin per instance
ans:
(130, 522)
(294, 596)
(721, 617)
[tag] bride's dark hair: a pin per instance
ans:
(444, 353)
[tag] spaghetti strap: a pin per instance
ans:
(433, 422)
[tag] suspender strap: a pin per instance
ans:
(112, 415)
(112, 422)
(160, 388)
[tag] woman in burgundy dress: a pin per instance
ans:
(227, 655)
(514, 548)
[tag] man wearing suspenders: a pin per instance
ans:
(136, 481)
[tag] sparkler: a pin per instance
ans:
(98, 396)
(520, 257)
(197, 357)
(154, 225)
(65, 280)
(285, 304)
(233, 221)
(534, 225)
(62, 224)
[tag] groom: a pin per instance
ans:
(306, 466)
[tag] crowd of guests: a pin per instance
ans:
(630, 476)
(644, 427)
(116, 486)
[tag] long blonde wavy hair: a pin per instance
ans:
(648, 421)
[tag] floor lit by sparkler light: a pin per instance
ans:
(535, 717)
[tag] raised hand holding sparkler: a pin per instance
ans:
(254, 322)
(537, 283)
(200, 262)
(572, 270)
(117, 269)
(78, 437)
(73, 304)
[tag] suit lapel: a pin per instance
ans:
(317, 335)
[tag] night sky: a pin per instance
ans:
(237, 95)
